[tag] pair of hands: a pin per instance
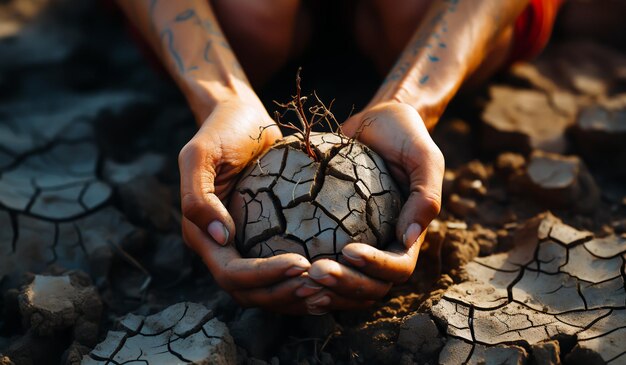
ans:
(289, 283)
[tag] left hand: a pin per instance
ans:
(397, 133)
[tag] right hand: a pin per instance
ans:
(234, 134)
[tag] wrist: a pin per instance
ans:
(429, 110)
(203, 97)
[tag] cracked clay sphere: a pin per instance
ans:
(287, 201)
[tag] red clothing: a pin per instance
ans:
(533, 29)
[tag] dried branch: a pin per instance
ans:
(319, 113)
(261, 130)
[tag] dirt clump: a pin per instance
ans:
(546, 353)
(50, 304)
(419, 334)
(600, 132)
(561, 181)
(289, 202)
(509, 163)
(522, 120)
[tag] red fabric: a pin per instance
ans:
(533, 29)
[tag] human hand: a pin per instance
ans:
(397, 133)
(234, 134)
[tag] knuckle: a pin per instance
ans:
(403, 271)
(430, 203)
(438, 158)
(190, 150)
(192, 206)
(429, 154)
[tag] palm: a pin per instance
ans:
(238, 136)
(405, 147)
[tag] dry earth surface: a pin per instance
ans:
(93, 269)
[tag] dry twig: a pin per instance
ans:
(319, 113)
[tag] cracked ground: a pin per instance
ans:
(556, 281)
(183, 333)
(525, 264)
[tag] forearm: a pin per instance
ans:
(187, 38)
(449, 45)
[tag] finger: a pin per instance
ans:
(395, 265)
(327, 300)
(199, 203)
(416, 214)
(280, 297)
(309, 288)
(232, 272)
(346, 281)
(424, 202)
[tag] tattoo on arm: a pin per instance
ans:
(207, 48)
(167, 29)
(185, 15)
(169, 36)
(432, 39)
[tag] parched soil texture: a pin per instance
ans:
(526, 264)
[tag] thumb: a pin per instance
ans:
(416, 214)
(425, 169)
(198, 200)
(424, 202)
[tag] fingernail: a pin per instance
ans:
(218, 232)
(295, 271)
(307, 290)
(318, 302)
(412, 234)
(352, 257)
(326, 280)
(321, 277)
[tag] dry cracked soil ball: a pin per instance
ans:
(287, 201)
